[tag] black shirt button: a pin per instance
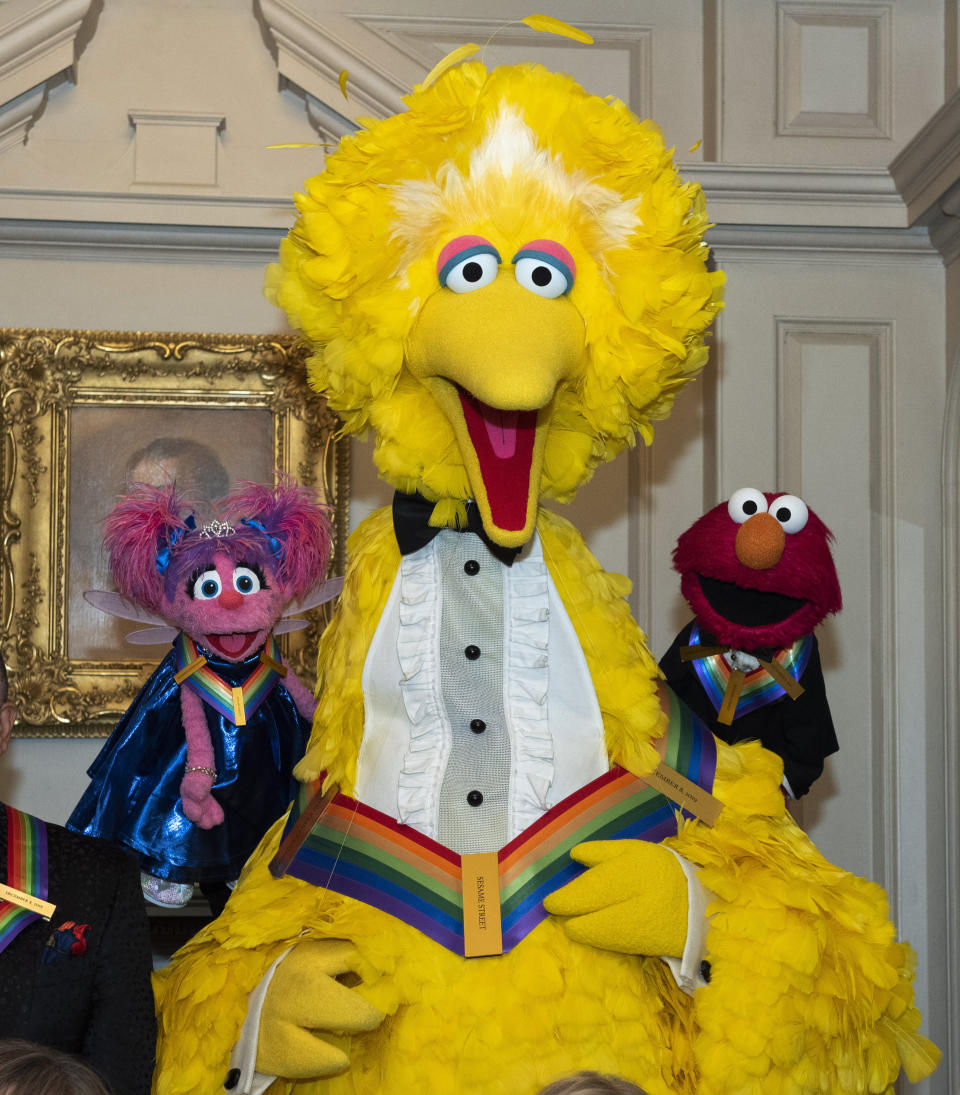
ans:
(472, 652)
(233, 1078)
(471, 566)
(474, 798)
(478, 726)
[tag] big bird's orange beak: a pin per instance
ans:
(493, 359)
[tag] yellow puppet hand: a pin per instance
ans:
(305, 996)
(632, 900)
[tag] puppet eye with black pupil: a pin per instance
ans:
(745, 503)
(204, 585)
(247, 579)
(791, 512)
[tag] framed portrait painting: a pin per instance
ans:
(84, 415)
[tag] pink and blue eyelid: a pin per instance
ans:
(465, 247)
(553, 254)
(459, 250)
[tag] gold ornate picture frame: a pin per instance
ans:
(82, 413)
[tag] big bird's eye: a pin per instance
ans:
(205, 586)
(744, 503)
(468, 263)
(545, 268)
(246, 580)
(790, 511)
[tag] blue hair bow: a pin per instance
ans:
(163, 551)
(272, 542)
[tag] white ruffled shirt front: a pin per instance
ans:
(549, 705)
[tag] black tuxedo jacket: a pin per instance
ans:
(85, 990)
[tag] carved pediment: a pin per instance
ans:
(37, 48)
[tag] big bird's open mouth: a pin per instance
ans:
(503, 441)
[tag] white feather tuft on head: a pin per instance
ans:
(510, 148)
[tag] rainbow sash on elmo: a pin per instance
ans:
(758, 686)
(26, 871)
(362, 853)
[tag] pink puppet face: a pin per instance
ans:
(227, 604)
(757, 570)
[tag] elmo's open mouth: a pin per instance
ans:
(748, 607)
(232, 645)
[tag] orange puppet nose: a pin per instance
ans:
(230, 598)
(760, 541)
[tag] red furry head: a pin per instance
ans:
(757, 570)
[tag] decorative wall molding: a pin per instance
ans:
(930, 164)
(17, 117)
(143, 207)
(770, 243)
(748, 194)
(794, 335)
(312, 52)
(793, 20)
(36, 42)
(951, 737)
(61, 240)
(416, 37)
(37, 47)
(175, 148)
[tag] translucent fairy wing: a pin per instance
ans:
(286, 626)
(115, 604)
(150, 636)
(319, 595)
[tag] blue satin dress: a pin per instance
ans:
(134, 796)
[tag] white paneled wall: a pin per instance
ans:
(137, 191)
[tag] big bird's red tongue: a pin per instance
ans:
(503, 442)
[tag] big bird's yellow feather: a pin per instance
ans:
(810, 991)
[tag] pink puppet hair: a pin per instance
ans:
(154, 544)
(142, 523)
(293, 524)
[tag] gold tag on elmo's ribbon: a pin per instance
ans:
(684, 792)
(27, 901)
(790, 685)
(731, 697)
(480, 877)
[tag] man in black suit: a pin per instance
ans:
(80, 981)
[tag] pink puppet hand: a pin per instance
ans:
(199, 805)
(633, 899)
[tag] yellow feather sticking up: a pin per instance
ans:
(454, 57)
(343, 82)
(549, 25)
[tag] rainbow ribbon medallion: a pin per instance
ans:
(237, 703)
(359, 852)
(759, 688)
(27, 866)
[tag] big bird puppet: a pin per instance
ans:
(503, 284)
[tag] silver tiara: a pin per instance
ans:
(217, 530)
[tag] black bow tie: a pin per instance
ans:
(411, 516)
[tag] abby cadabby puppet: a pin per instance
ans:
(200, 764)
